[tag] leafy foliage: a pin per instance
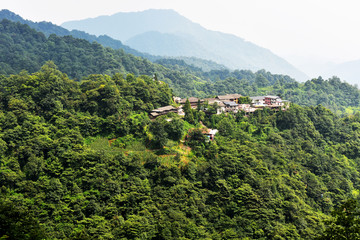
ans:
(22, 48)
(74, 164)
(345, 222)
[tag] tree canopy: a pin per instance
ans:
(83, 160)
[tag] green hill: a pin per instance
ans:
(23, 48)
(28, 50)
(48, 28)
(82, 160)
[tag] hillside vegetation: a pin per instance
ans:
(49, 28)
(22, 48)
(82, 160)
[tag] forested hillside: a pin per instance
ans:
(22, 48)
(48, 28)
(339, 96)
(82, 160)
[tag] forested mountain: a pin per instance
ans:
(82, 160)
(22, 48)
(339, 96)
(165, 32)
(48, 28)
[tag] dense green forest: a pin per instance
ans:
(49, 28)
(82, 160)
(22, 48)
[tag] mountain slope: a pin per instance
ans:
(349, 71)
(271, 175)
(23, 48)
(138, 31)
(49, 28)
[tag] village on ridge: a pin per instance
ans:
(229, 103)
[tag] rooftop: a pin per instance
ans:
(231, 104)
(229, 96)
(272, 97)
(163, 109)
(191, 100)
(257, 97)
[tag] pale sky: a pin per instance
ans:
(316, 30)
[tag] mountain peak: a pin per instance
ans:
(125, 25)
(5, 13)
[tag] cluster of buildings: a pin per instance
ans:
(225, 104)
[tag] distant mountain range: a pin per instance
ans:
(347, 71)
(165, 32)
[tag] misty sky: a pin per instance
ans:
(298, 30)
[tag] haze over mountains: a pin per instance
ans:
(348, 71)
(49, 28)
(165, 32)
(169, 39)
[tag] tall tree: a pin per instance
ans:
(189, 115)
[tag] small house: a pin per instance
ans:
(220, 105)
(231, 107)
(229, 97)
(258, 101)
(210, 133)
(162, 111)
(193, 101)
(273, 100)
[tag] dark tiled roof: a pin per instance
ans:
(231, 104)
(191, 100)
(209, 99)
(229, 96)
(164, 109)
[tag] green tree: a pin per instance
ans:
(160, 136)
(189, 115)
(18, 222)
(174, 129)
(345, 223)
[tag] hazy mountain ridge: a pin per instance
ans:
(348, 71)
(125, 25)
(226, 49)
(24, 48)
(154, 42)
(49, 28)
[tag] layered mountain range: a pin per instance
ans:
(167, 33)
(49, 28)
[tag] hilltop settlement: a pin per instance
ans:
(229, 103)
